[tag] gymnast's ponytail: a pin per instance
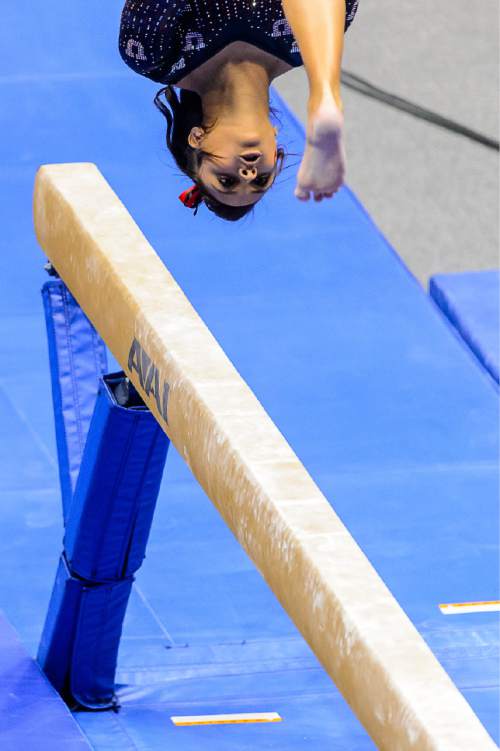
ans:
(182, 114)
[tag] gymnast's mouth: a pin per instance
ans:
(252, 156)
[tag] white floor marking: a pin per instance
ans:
(226, 719)
(457, 608)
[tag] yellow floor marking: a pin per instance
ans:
(226, 719)
(456, 608)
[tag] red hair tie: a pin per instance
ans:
(191, 198)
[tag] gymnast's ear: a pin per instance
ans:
(195, 137)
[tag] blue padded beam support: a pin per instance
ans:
(81, 636)
(77, 357)
(471, 302)
(112, 509)
(107, 528)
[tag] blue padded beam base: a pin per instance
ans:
(107, 529)
(112, 510)
(81, 636)
(77, 357)
(471, 302)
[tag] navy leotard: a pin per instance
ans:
(166, 40)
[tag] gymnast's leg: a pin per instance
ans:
(319, 30)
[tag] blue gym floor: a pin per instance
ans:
(384, 404)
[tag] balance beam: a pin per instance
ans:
(345, 612)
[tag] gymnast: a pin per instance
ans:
(222, 56)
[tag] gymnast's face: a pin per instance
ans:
(244, 166)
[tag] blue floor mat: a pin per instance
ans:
(382, 403)
(471, 302)
(32, 715)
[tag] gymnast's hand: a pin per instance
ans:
(322, 169)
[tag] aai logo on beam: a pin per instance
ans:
(149, 377)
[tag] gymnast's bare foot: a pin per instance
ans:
(323, 166)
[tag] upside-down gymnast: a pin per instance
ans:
(223, 55)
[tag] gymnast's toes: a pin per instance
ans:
(302, 193)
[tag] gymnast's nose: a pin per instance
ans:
(248, 173)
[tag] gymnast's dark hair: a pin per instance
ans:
(181, 115)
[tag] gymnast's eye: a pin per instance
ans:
(261, 181)
(226, 180)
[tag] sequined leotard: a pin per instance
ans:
(166, 40)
